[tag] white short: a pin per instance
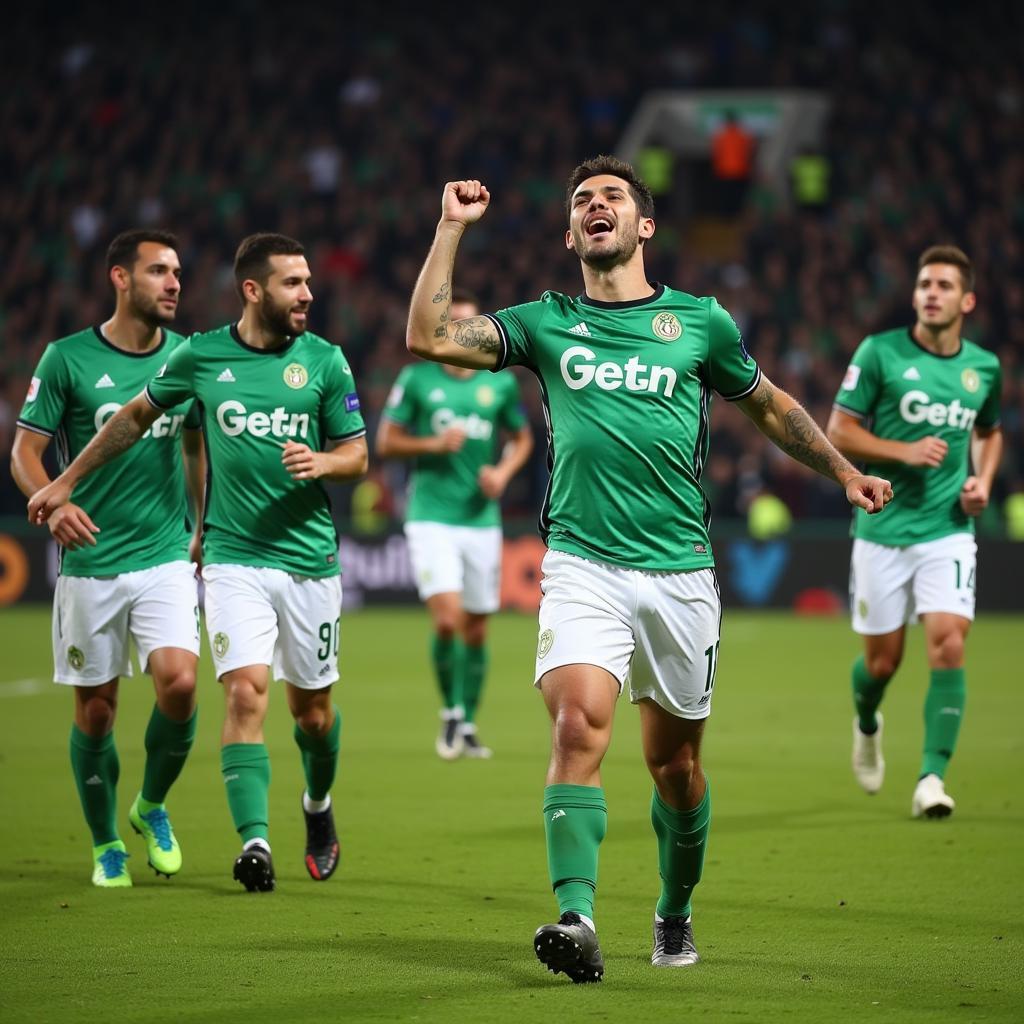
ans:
(462, 560)
(890, 586)
(658, 630)
(96, 617)
(257, 616)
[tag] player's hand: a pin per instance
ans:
(47, 500)
(973, 496)
(72, 528)
(492, 481)
(464, 202)
(929, 451)
(450, 440)
(870, 493)
(301, 461)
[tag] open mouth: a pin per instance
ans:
(599, 226)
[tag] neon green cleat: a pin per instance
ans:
(155, 827)
(110, 871)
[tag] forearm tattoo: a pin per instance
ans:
(443, 294)
(803, 440)
(477, 332)
(120, 433)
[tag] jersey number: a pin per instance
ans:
(712, 655)
(329, 633)
(959, 576)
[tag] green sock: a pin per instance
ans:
(682, 840)
(95, 766)
(167, 745)
(246, 770)
(473, 672)
(867, 695)
(320, 757)
(447, 655)
(943, 713)
(575, 821)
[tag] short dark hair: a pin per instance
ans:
(464, 295)
(252, 258)
(620, 169)
(123, 251)
(954, 257)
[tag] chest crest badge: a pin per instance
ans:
(485, 395)
(666, 327)
(295, 375)
(970, 380)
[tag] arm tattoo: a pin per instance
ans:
(120, 433)
(803, 440)
(763, 397)
(443, 294)
(477, 332)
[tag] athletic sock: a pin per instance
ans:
(447, 656)
(943, 713)
(575, 822)
(320, 757)
(867, 695)
(473, 671)
(167, 745)
(682, 841)
(246, 771)
(95, 766)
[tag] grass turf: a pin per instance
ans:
(818, 902)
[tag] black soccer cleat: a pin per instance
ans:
(255, 870)
(322, 849)
(570, 947)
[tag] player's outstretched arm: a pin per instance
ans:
(855, 441)
(119, 433)
(431, 334)
(785, 422)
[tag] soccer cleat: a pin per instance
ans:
(570, 947)
(155, 827)
(867, 760)
(109, 868)
(673, 942)
(931, 799)
(449, 744)
(255, 870)
(322, 849)
(471, 745)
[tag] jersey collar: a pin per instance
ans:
(929, 352)
(659, 290)
(125, 352)
(262, 351)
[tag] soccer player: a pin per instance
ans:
(627, 369)
(125, 570)
(448, 420)
(921, 405)
(280, 415)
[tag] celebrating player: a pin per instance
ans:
(280, 414)
(125, 574)
(445, 418)
(920, 404)
(627, 369)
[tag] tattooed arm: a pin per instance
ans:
(786, 423)
(119, 433)
(473, 342)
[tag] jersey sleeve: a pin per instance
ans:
(512, 415)
(401, 402)
(517, 326)
(990, 413)
(340, 413)
(862, 382)
(732, 371)
(48, 394)
(174, 383)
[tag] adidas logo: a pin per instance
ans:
(911, 374)
(226, 376)
(105, 382)
(94, 780)
(558, 814)
(581, 328)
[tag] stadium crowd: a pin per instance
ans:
(340, 131)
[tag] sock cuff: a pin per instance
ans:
(326, 744)
(565, 794)
(684, 821)
(862, 675)
(186, 728)
(84, 741)
(948, 677)
(244, 755)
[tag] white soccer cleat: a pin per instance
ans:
(449, 743)
(471, 745)
(931, 799)
(867, 760)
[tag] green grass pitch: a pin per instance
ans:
(818, 903)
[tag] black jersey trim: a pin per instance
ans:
(153, 402)
(348, 437)
(659, 291)
(749, 389)
(132, 355)
(35, 429)
(233, 330)
(503, 338)
(929, 352)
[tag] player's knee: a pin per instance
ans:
(475, 633)
(948, 650)
(314, 721)
(674, 774)
(243, 700)
(96, 715)
(883, 664)
(575, 730)
(176, 694)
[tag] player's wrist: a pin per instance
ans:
(451, 228)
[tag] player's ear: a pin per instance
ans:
(251, 290)
(968, 302)
(120, 278)
(645, 229)
(568, 240)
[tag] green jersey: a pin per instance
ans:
(627, 386)
(252, 401)
(904, 392)
(138, 501)
(426, 400)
